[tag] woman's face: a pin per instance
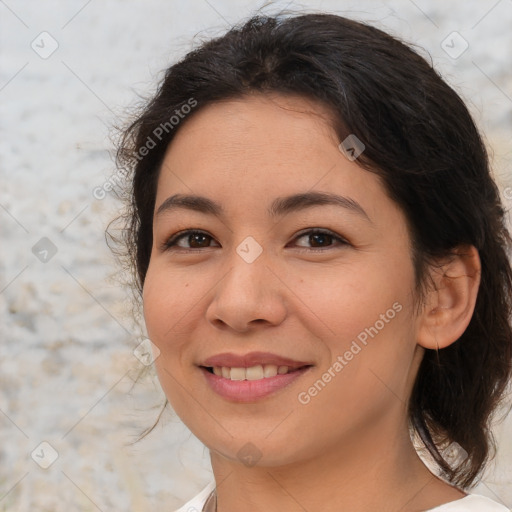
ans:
(258, 284)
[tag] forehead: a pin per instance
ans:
(256, 148)
(255, 125)
(257, 133)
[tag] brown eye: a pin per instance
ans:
(190, 239)
(318, 239)
(198, 240)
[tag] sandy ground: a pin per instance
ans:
(67, 367)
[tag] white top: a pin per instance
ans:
(470, 503)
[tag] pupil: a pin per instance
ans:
(197, 238)
(321, 238)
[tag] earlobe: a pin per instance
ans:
(449, 306)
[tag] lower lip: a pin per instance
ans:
(250, 390)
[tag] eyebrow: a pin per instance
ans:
(280, 206)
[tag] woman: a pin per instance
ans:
(322, 258)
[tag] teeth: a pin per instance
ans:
(237, 373)
(269, 370)
(252, 373)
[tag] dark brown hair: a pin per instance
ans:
(422, 142)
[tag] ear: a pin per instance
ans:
(448, 307)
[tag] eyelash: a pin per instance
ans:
(172, 241)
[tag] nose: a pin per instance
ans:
(249, 295)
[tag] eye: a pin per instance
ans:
(320, 238)
(194, 238)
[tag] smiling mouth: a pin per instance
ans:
(256, 372)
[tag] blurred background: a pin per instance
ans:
(70, 352)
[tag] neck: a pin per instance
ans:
(357, 475)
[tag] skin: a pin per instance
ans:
(349, 447)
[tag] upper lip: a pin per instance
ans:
(231, 360)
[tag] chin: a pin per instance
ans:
(255, 451)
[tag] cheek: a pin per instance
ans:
(154, 303)
(162, 311)
(345, 300)
(362, 315)
(164, 299)
(161, 307)
(174, 302)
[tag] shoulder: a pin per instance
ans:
(196, 504)
(472, 503)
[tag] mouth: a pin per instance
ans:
(253, 373)
(251, 361)
(252, 377)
